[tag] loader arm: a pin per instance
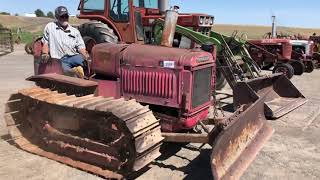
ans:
(229, 58)
(282, 96)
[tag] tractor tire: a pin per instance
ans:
(95, 32)
(310, 66)
(220, 80)
(284, 68)
(28, 48)
(298, 67)
(268, 66)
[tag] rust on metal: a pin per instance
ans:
(64, 79)
(169, 28)
(238, 141)
(281, 98)
(186, 137)
(65, 84)
(110, 141)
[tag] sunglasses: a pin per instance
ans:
(64, 17)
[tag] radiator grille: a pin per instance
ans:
(201, 87)
(156, 84)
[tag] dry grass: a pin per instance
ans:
(254, 32)
(30, 24)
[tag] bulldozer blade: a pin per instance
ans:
(238, 142)
(282, 96)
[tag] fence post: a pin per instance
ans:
(11, 41)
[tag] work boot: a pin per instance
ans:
(78, 71)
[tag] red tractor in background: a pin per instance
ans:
(316, 48)
(303, 50)
(275, 53)
(131, 21)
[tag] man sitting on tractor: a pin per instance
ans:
(63, 42)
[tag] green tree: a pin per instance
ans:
(1, 26)
(16, 14)
(50, 14)
(4, 13)
(39, 13)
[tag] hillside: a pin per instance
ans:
(30, 24)
(34, 25)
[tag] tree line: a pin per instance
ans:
(38, 13)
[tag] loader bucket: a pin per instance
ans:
(238, 142)
(282, 96)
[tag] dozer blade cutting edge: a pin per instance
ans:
(281, 98)
(105, 136)
(240, 139)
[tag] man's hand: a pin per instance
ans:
(45, 58)
(84, 54)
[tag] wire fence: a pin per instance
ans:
(6, 41)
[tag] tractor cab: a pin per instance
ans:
(132, 21)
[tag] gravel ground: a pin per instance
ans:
(293, 152)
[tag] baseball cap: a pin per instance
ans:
(60, 11)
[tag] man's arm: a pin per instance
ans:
(45, 47)
(45, 40)
(84, 53)
(81, 46)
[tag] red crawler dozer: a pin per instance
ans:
(137, 96)
(102, 126)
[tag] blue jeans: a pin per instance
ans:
(69, 62)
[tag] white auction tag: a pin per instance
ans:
(169, 64)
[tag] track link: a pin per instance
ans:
(105, 136)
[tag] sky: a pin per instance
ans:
(292, 13)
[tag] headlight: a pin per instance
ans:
(201, 20)
(207, 20)
(211, 20)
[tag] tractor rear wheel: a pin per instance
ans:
(284, 68)
(28, 48)
(95, 32)
(298, 67)
(310, 66)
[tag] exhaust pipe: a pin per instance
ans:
(274, 27)
(169, 28)
(163, 6)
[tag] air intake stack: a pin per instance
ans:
(169, 28)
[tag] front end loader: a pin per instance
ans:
(137, 97)
(241, 71)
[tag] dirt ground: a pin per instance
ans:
(293, 152)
